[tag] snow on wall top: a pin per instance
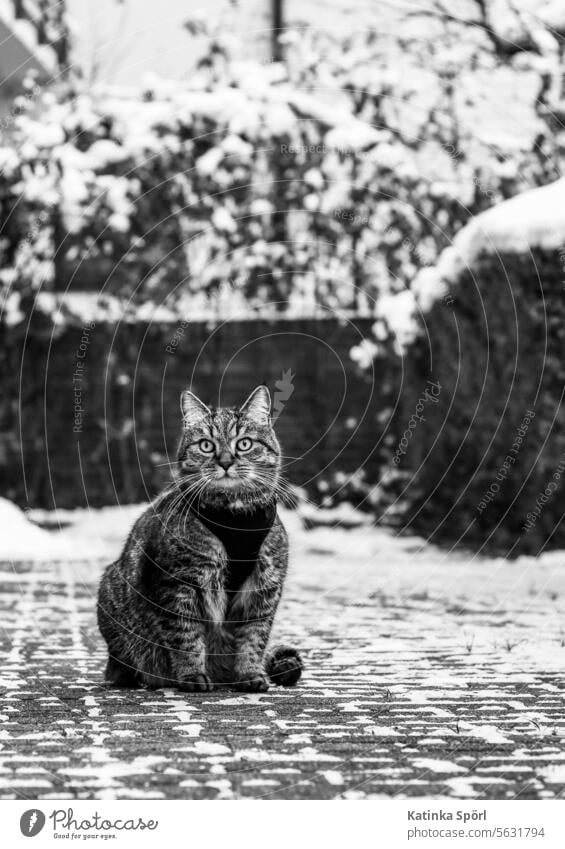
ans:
(532, 219)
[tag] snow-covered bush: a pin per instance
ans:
(245, 174)
(485, 467)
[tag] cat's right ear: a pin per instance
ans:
(192, 409)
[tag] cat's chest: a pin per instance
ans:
(229, 593)
(230, 587)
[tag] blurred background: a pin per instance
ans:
(360, 204)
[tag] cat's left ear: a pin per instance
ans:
(192, 408)
(258, 406)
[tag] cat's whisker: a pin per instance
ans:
(171, 510)
(198, 488)
(181, 493)
(198, 491)
(302, 498)
(176, 483)
(279, 487)
(182, 514)
(287, 497)
(176, 488)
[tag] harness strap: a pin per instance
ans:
(242, 535)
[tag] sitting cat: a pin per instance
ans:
(191, 601)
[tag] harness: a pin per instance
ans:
(241, 535)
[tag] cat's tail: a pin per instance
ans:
(284, 666)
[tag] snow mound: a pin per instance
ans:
(532, 219)
(22, 540)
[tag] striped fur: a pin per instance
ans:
(191, 601)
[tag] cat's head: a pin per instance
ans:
(230, 455)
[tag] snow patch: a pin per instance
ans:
(485, 732)
(553, 774)
(433, 765)
(204, 748)
(22, 540)
(333, 777)
(381, 731)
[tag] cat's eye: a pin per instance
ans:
(244, 444)
(206, 446)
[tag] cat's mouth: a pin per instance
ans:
(232, 486)
(227, 480)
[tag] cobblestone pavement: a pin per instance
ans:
(428, 674)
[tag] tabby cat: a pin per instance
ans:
(191, 601)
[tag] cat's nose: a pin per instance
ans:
(225, 460)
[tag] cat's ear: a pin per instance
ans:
(258, 405)
(192, 409)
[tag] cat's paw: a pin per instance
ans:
(198, 683)
(253, 682)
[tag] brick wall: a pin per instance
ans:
(125, 382)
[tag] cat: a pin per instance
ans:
(191, 601)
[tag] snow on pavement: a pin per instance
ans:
(427, 674)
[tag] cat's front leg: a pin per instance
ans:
(187, 642)
(251, 638)
(191, 673)
(253, 612)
